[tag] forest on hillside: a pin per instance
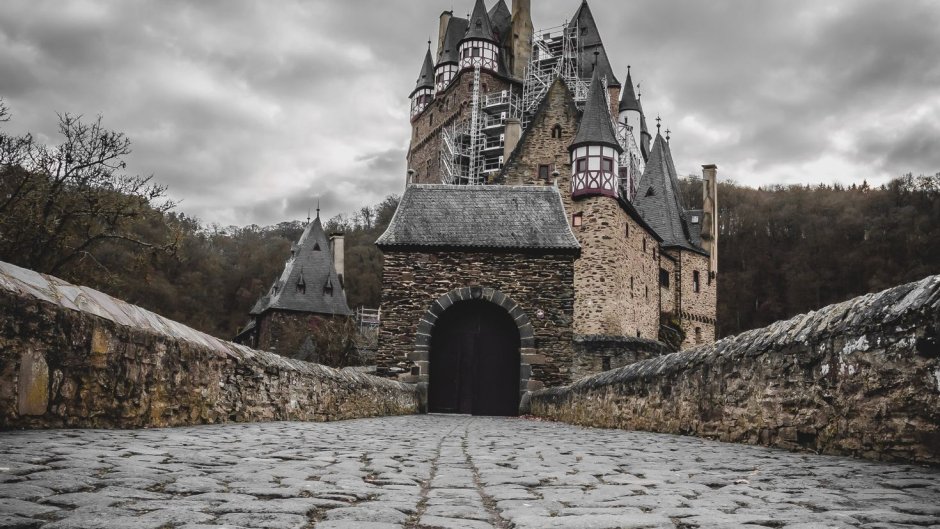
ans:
(71, 211)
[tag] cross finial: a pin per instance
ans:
(318, 208)
(658, 123)
(308, 215)
(667, 134)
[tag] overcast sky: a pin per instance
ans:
(250, 110)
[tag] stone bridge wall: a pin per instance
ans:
(73, 357)
(858, 378)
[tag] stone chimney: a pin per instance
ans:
(710, 215)
(511, 136)
(338, 249)
(442, 30)
(521, 37)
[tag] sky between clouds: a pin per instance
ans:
(250, 110)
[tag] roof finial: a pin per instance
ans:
(308, 215)
(318, 208)
(429, 43)
(658, 123)
(667, 134)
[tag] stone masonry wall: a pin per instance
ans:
(697, 310)
(597, 353)
(860, 377)
(412, 281)
(448, 106)
(73, 357)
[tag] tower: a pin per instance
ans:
(521, 42)
(595, 149)
(478, 47)
(448, 57)
(424, 88)
(630, 113)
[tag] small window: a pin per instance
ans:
(663, 278)
(475, 52)
(328, 288)
(556, 131)
(576, 220)
(631, 286)
(544, 171)
(654, 253)
(582, 165)
(698, 335)
(316, 247)
(647, 291)
(649, 192)
(626, 231)
(644, 244)
(605, 363)
(694, 219)
(607, 165)
(695, 281)
(431, 119)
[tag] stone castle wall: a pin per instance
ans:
(73, 357)
(449, 106)
(413, 280)
(696, 309)
(860, 377)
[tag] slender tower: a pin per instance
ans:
(424, 88)
(595, 149)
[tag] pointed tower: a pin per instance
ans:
(424, 88)
(658, 199)
(479, 47)
(645, 136)
(629, 108)
(448, 57)
(595, 149)
(589, 40)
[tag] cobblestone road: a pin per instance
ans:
(440, 471)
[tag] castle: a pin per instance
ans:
(541, 235)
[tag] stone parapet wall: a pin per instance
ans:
(73, 357)
(859, 378)
(595, 353)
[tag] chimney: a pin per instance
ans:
(511, 136)
(521, 37)
(710, 216)
(338, 249)
(441, 31)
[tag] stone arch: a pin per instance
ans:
(421, 354)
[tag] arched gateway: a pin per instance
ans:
(474, 361)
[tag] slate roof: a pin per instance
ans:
(589, 38)
(657, 199)
(456, 28)
(596, 126)
(310, 265)
(480, 25)
(628, 100)
(426, 76)
(489, 216)
(501, 20)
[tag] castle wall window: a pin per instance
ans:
(663, 278)
(556, 131)
(544, 171)
(626, 231)
(576, 220)
(607, 165)
(695, 281)
(605, 363)
(644, 244)
(698, 335)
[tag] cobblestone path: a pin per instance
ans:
(440, 471)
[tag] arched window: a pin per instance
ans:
(556, 131)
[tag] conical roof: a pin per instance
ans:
(480, 25)
(628, 100)
(596, 127)
(589, 39)
(501, 20)
(657, 199)
(456, 28)
(309, 269)
(426, 77)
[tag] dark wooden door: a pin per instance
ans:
(474, 361)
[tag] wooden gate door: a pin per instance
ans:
(474, 364)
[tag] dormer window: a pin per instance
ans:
(328, 288)
(316, 247)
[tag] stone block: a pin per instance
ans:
(534, 359)
(33, 383)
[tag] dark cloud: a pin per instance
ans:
(249, 111)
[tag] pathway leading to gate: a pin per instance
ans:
(440, 471)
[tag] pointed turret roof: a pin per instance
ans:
(589, 39)
(628, 100)
(426, 77)
(596, 127)
(657, 199)
(480, 25)
(307, 271)
(501, 19)
(456, 28)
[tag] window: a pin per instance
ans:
(576, 220)
(316, 247)
(698, 335)
(607, 165)
(654, 253)
(440, 78)
(631, 286)
(328, 288)
(556, 131)
(431, 119)
(475, 52)
(581, 165)
(694, 219)
(663, 278)
(544, 171)
(626, 231)
(647, 291)
(644, 244)
(695, 281)
(605, 363)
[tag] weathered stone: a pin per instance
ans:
(33, 383)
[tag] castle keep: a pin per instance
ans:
(541, 235)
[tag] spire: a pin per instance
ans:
(628, 100)
(426, 77)
(589, 39)
(456, 28)
(500, 19)
(658, 198)
(596, 127)
(480, 25)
